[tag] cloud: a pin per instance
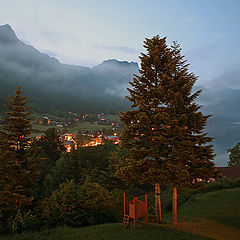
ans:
(201, 53)
(52, 37)
(50, 53)
(221, 99)
(118, 48)
(209, 61)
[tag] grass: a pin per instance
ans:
(108, 232)
(221, 206)
(38, 130)
(112, 117)
(213, 215)
(88, 126)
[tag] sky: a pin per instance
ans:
(87, 32)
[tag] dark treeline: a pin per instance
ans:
(42, 186)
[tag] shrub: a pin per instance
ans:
(185, 195)
(75, 205)
(22, 221)
(62, 205)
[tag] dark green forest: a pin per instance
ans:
(43, 186)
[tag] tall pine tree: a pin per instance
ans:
(18, 167)
(164, 132)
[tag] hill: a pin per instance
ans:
(109, 232)
(56, 87)
(214, 215)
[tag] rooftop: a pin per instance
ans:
(230, 172)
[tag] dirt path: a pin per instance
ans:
(208, 228)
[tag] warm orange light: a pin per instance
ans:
(69, 148)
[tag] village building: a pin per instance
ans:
(230, 172)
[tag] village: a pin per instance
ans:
(69, 140)
(80, 130)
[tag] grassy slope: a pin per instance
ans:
(38, 130)
(214, 215)
(221, 206)
(109, 232)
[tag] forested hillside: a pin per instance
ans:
(56, 87)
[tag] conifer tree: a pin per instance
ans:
(17, 165)
(164, 132)
(18, 124)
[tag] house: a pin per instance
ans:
(95, 141)
(113, 138)
(68, 140)
(229, 172)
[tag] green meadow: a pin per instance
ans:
(213, 215)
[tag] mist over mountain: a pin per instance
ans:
(56, 87)
(221, 100)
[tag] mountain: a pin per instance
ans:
(56, 87)
(7, 36)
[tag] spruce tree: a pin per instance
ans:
(164, 132)
(17, 165)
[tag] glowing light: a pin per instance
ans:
(69, 148)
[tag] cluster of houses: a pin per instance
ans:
(102, 120)
(99, 119)
(230, 172)
(69, 140)
(53, 122)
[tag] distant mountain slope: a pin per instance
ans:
(56, 87)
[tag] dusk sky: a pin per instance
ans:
(88, 32)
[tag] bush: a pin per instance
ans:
(22, 221)
(185, 195)
(62, 205)
(75, 205)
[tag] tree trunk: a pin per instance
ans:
(174, 206)
(158, 208)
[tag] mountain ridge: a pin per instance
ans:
(67, 87)
(7, 34)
